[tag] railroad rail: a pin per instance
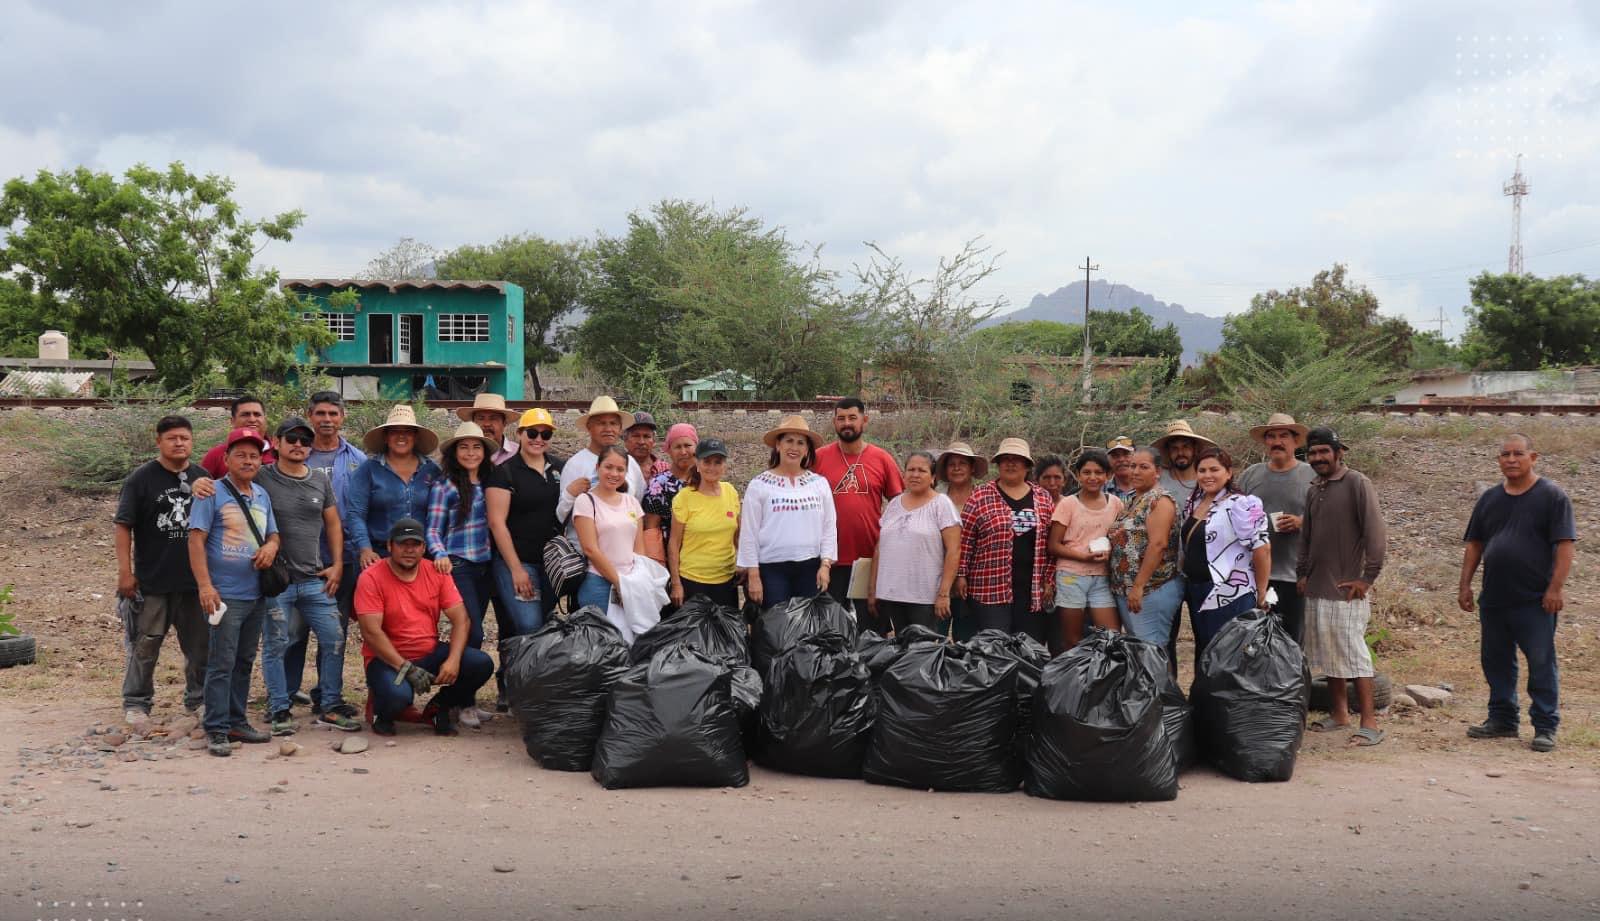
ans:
(1467, 408)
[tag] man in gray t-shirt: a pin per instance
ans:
(1281, 483)
(307, 511)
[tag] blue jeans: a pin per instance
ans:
(1153, 623)
(475, 584)
(595, 591)
(1209, 622)
(303, 610)
(230, 654)
(389, 699)
(1503, 631)
(524, 616)
(789, 579)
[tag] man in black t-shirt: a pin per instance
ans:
(153, 576)
(1524, 533)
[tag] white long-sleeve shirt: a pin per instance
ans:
(784, 520)
(582, 466)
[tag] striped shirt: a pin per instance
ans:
(447, 536)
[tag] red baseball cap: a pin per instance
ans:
(238, 435)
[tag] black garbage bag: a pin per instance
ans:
(877, 652)
(747, 689)
(1178, 717)
(715, 630)
(947, 720)
(1249, 699)
(557, 681)
(1097, 727)
(672, 723)
(780, 627)
(817, 709)
(1030, 656)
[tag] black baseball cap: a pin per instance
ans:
(710, 447)
(295, 422)
(1322, 435)
(406, 529)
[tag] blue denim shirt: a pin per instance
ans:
(376, 498)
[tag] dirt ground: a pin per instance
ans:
(1427, 825)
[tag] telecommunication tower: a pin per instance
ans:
(1517, 187)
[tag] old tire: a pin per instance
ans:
(16, 650)
(1382, 692)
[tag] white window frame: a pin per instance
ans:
(342, 325)
(464, 327)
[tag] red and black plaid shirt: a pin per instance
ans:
(986, 541)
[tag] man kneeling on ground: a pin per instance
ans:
(397, 605)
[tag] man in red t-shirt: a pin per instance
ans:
(398, 601)
(247, 412)
(863, 477)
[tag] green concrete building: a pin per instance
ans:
(458, 337)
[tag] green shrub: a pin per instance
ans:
(101, 448)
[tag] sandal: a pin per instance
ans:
(1326, 724)
(1366, 738)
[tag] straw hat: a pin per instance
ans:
(400, 416)
(536, 417)
(469, 430)
(487, 402)
(1281, 421)
(980, 465)
(600, 406)
(1179, 429)
(796, 424)
(1015, 447)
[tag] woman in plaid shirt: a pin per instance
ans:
(1005, 565)
(458, 529)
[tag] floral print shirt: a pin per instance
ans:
(658, 496)
(1130, 539)
(1235, 527)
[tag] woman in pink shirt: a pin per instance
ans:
(1078, 542)
(610, 526)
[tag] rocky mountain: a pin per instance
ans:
(1200, 333)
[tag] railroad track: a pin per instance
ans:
(823, 406)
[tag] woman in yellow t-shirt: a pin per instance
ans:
(705, 531)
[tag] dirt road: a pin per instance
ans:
(1488, 831)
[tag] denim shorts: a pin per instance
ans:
(1075, 591)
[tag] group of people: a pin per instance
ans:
(276, 540)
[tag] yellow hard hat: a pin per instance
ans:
(536, 417)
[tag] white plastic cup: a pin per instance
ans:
(215, 617)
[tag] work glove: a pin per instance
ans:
(415, 675)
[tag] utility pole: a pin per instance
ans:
(1441, 321)
(1088, 361)
(1517, 189)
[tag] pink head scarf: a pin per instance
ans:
(682, 430)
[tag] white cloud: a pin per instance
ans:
(1198, 156)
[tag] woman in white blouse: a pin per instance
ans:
(787, 528)
(918, 547)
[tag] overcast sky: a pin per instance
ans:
(1198, 157)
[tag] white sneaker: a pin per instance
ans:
(484, 715)
(468, 717)
(138, 719)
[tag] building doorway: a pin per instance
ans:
(380, 338)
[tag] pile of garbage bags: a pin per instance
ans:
(801, 690)
(1249, 699)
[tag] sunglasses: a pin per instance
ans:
(297, 438)
(541, 434)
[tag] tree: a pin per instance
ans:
(921, 323)
(1278, 333)
(628, 316)
(751, 302)
(1347, 314)
(23, 320)
(1133, 333)
(161, 261)
(1522, 322)
(1032, 337)
(1432, 350)
(407, 260)
(551, 277)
